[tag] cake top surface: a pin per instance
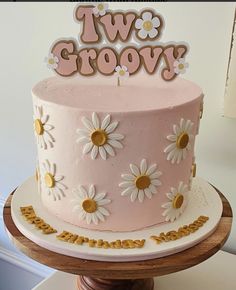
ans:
(138, 93)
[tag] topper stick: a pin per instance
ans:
(118, 82)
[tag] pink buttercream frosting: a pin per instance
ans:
(146, 108)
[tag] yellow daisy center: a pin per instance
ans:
(99, 137)
(100, 7)
(38, 127)
(178, 201)
(142, 182)
(51, 61)
(181, 66)
(49, 180)
(182, 140)
(121, 72)
(147, 25)
(89, 205)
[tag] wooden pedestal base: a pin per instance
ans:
(87, 283)
(138, 272)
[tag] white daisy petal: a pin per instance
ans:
(134, 169)
(115, 143)
(103, 201)
(111, 127)
(134, 195)
(151, 169)
(179, 156)
(156, 22)
(91, 191)
(83, 132)
(128, 177)
(156, 174)
(148, 193)
(139, 23)
(87, 147)
(182, 124)
(87, 124)
(166, 205)
(153, 188)
(95, 120)
(53, 169)
(187, 125)
(115, 136)
(82, 215)
(176, 129)
(48, 127)
(142, 33)
(95, 11)
(82, 140)
(88, 218)
(172, 154)
(94, 152)
(118, 68)
(102, 152)
(103, 211)
(170, 148)
(141, 195)
(99, 196)
(172, 138)
(125, 184)
(170, 195)
(143, 166)
(153, 33)
(109, 149)
(100, 216)
(128, 191)
(82, 192)
(181, 186)
(94, 219)
(58, 177)
(147, 16)
(106, 122)
(156, 182)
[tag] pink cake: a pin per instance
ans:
(117, 158)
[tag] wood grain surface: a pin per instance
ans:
(123, 270)
(88, 283)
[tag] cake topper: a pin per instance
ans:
(97, 51)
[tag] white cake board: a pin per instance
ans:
(203, 200)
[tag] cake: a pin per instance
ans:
(116, 158)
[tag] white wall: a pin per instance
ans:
(27, 31)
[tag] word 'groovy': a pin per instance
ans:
(116, 26)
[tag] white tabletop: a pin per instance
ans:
(207, 275)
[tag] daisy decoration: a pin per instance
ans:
(42, 128)
(142, 182)
(180, 66)
(178, 201)
(99, 137)
(121, 72)
(147, 25)
(180, 141)
(100, 9)
(52, 181)
(52, 61)
(89, 205)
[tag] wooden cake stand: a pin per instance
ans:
(94, 275)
